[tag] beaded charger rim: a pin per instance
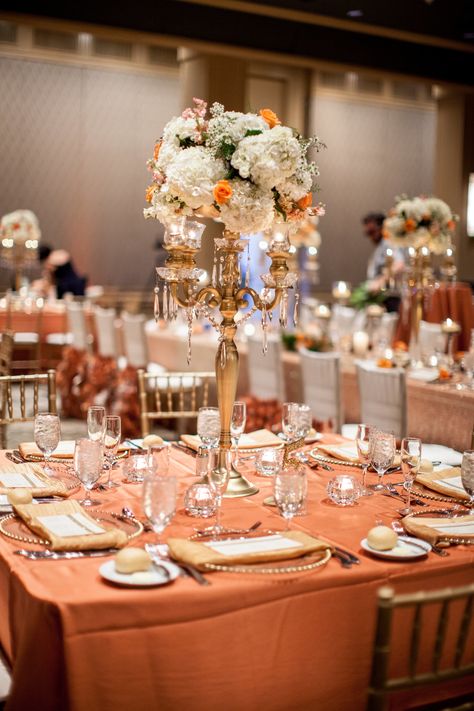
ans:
(314, 453)
(445, 537)
(322, 559)
(425, 493)
(36, 540)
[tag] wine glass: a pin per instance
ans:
(87, 466)
(382, 455)
(159, 458)
(303, 421)
(290, 492)
(47, 435)
(237, 426)
(111, 442)
(289, 420)
(96, 423)
(411, 459)
(159, 503)
(363, 442)
(467, 476)
(218, 478)
(209, 426)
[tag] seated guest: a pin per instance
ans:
(60, 272)
(376, 275)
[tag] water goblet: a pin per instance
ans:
(209, 426)
(290, 492)
(411, 458)
(289, 420)
(303, 421)
(159, 503)
(218, 478)
(237, 426)
(47, 430)
(87, 466)
(96, 423)
(363, 442)
(159, 458)
(382, 455)
(467, 476)
(111, 442)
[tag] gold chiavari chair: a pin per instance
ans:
(27, 342)
(6, 352)
(444, 664)
(19, 398)
(172, 395)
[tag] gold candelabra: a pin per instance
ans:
(228, 293)
(419, 282)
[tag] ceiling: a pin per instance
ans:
(440, 51)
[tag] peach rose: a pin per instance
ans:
(156, 152)
(400, 346)
(222, 192)
(451, 225)
(305, 201)
(270, 117)
(410, 225)
(149, 192)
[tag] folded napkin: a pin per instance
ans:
(69, 527)
(347, 452)
(438, 452)
(437, 528)
(444, 480)
(64, 450)
(261, 549)
(32, 477)
(250, 440)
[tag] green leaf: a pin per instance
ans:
(253, 132)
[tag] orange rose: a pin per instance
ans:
(410, 225)
(451, 225)
(384, 363)
(385, 234)
(149, 192)
(400, 346)
(156, 152)
(444, 374)
(305, 201)
(270, 117)
(222, 192)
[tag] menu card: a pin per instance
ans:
(232, 547)
(74, 524)
(12, 480)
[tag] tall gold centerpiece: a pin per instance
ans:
(19, 238)
(251, 174)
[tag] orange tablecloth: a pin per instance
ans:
(52, 320)
(246, 641)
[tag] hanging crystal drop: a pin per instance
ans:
(264, 329)
(221, 267)
(247, 271)
(165, 301)
(156, 303)
(284, 309)
(295, 310)
(214, 269)
(190, 315)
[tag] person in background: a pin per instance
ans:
(372, 225)
(59, 272)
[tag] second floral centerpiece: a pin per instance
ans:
(253, 175)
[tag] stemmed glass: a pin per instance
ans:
(303, 421)
(209, 426)
(411, 459)
(159, 503)
(87, 466)
(363, 442)
(96, 423)
(111, 442)
(159, 458)
(290, 492)
(289, 420)
(47, 435)
(237, 426)
(382, 455)
(467, 476)
(218, 478)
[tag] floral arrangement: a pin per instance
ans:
(247, 170)
(420, 222)
(19, 227)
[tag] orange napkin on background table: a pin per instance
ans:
(249, 440)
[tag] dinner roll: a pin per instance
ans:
(132, 560)
(20, 496)
(382, 538)
(151, 440)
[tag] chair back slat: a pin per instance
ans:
(16, 409)
(266, 371)
(321, 379)
(415, 639)
(22, 399)
(383, 398)
(440, 634)
(464, 627)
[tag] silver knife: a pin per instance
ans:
(64, 555)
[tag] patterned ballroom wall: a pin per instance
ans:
(73, 143)
(374, 152)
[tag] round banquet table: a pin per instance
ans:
(301, 640)
(51, 319)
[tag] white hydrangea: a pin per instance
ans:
(250, 209)
(164, 207)
(231, 127)
(168, 152)
(180, 129)
(192, 175)
(438, 209)
(268, 158)
(297, 186)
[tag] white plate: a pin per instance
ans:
(144, 579)
(404, 550)
(316, 437)
(424, 375)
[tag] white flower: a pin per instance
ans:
(164, 207)
(179, 129)
(296, 187)
(231, 126)
(192, 175)
(168, 152)
(269, 157)
(20, 225)
(250, 209)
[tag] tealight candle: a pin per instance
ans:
(360, 343)
(450, 326)
(341, 290)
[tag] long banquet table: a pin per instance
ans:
(300, 641)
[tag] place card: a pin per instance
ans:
(263, 544)
(74, 524)
(16, 480)
(454, 482)
(463, 528)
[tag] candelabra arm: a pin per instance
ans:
(248, 291)
(189, 301)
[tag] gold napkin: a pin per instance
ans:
(250, 440)
(347, 452)
(431, 481)
(30, 473)
(200, 554)
(64, 450)
(439, 528)
(49, 520)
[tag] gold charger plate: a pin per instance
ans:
(304, 563)
(447, 538)
(14, 527)
(426, 493)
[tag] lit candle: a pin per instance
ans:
(341, 290)
(450, 326)
(360, 343)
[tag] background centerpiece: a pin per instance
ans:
(253, 175)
